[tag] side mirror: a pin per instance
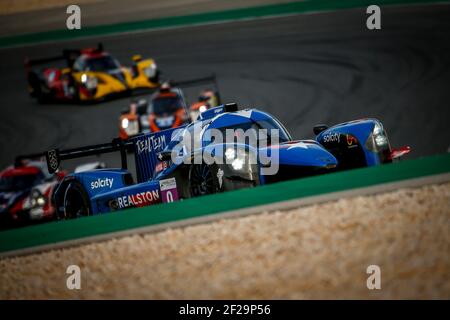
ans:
(318, 128)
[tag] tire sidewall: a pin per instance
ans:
(213, 168)
(75, 187)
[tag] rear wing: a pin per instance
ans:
(146, 148)
(69, 55)
(34, 62)
(55, 156)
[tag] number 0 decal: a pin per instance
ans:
(169, 196)
(169, 191)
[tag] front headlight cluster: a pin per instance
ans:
(125, 123)
(150, 71)
(378, 139)
(38, 200)
(236, 158)
(130, 126)
(90, 82)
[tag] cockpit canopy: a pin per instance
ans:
(97, 63)
(246, 126)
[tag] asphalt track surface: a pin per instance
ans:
(304, 69)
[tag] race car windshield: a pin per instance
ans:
(166, 105)
(101, 64)
(15, 183)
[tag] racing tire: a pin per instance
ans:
(207, 179)
(203, 179)
(76, 202)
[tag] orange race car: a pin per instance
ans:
(167, 109)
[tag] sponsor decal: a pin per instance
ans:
(139, 200)
(102, 183)
(169, 192)
(332, 137)
(151, 143)
(351, 141)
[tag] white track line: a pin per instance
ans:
(283, 205)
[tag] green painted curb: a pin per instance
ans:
(134, 218)
(201, 18)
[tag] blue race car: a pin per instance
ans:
(192, 161)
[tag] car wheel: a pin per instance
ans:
(202, 179)
(76, 202)
(209, 179)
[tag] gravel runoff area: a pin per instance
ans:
(315, 252)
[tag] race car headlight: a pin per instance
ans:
(37, 200)
(202, 108)
(377, 129)
(40, 201)
(89, 82)
(125, 123)
(150, 71)
(380, 140)
(237, 158)
(377, 140)
(237, 164)
(92, 83)
(230, 154)
(130, 126)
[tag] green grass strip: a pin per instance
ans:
(133, 218)
(200, 18)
